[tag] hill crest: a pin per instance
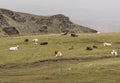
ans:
(12, 23)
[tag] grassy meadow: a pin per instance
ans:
(37, 64)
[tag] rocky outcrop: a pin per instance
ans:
(43, 29)
(3, 21)
(11, 30)
(6, 12)
(32, 24)
(18, 18)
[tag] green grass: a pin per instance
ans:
(91, 68)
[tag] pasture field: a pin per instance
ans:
(37, 64)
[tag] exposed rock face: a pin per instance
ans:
(45, 21)
(6, 12)
(18, 18)
(3, 21)
(44, 29)
(32, 24)
(62, 18)
(65, 22)
(12, 15)
(11, 30)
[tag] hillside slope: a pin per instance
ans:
(12, 23)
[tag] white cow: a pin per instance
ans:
(58, 53)
(107, 44)
(14, 48)
(35, 40)
(113, 52)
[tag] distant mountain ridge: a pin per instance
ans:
(12, 23)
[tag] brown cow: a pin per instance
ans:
(94, 46)
(74, 35)
(71, 48)
(89, 48)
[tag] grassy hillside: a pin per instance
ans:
(37, 64)
(12, 23)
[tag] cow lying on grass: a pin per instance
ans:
(74, 35)
(44, 43)
(71, 48)
(94, 46)
(14, 48)
(26, 40)
(58, 53)
(89, 48)
(35, 40)
(107, 44)
(113, 52)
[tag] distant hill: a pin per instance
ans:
(12, 23)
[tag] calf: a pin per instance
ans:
(94, 46)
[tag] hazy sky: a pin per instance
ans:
(84, 9)
(75, 9)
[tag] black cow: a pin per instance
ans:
(26, 40)
(44, 43)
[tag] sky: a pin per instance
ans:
(77, 10)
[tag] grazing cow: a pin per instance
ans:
(113, 52)
(71, 48)
(35, 40)
(94, 46)
(44, 43)
(14, 48)
(107, 44)
(74, 35)
(89, 48)
(26, 40)
(58, 53)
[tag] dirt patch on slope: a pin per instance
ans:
(48, 61)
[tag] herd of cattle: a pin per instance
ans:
(35, 41)
(113, 52)
(58, 53)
